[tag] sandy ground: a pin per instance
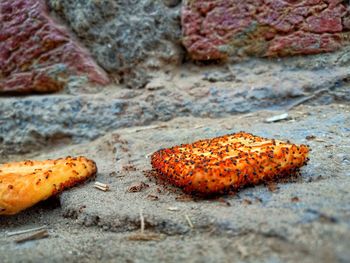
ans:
(304, 219)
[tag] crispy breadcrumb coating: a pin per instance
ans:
(23, 184)
(218, 165)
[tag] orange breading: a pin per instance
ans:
(229, 162)
(23, 184)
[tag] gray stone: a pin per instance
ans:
(127, 38)
(36, 122)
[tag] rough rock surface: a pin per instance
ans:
(220, 28)
(127, 38)
(304, 219)
(36, 122)
(37, 54)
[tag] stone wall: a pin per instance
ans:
(127, 38)
(37, 54)
(133, 40)
(220, 29)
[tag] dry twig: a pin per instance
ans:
(142, 220)
(146, 237)
(35, 236)
(173, 208)
(189, 221)
(101, 186)
(20, 232)
(142, 236)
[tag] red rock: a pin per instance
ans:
(216, 29)
(300, 43)
(36, 53)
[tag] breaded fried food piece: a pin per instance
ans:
(222, 164)
(23, 184)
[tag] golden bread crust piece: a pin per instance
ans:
(23, 184)
(221, 164)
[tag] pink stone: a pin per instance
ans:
(36, 53)
(263, 27)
